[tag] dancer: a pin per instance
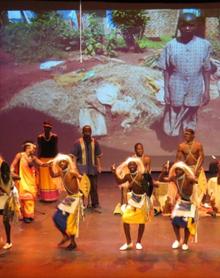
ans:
(68, 212)
(184, 214)
(9, 200)
(139, 152)
(145, 168)
(137, 209)
(214, 192)
(47, 149)
(24, 164)
(121, 171)
(164, 192)
(191, 152)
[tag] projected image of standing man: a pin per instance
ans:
(185, 62)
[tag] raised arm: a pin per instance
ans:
(147, 164)
(118, 179)
(52, 173)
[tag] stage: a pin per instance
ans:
(35, 252)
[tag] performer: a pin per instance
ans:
(121, 171)
(185, 62)
(68, 212)
(87, 156)
(214, 192)
(24, 165)
(139, 152)
(184, 214)
(145, 168)
(47, 149)
(191, 152)
(164, 193)
(137, 209)
(9, 200)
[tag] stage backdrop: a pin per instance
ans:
(98, 67)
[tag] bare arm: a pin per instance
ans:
(98, 161)
(118, 179)
(179, 154)
(38, 162)
(206, 96)
(15, 162)
(199, 161)
(191, 178)
(147, 164)
(53, 174)
(74, 159)
(163, 177)
(14, 176)
(76, 175)
(166, 86)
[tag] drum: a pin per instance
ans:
(5, 178)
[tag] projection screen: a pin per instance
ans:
(100, 66)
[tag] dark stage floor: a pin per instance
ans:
(35, 252)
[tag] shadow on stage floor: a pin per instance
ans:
(35, 252)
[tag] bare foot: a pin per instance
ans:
(64, 240)
(71, 246)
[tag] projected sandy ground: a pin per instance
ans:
(23, 86)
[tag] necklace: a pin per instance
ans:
(180, 182)
(190, 143)
(47, 139)
(64, 171)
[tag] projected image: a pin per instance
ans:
(131, 74)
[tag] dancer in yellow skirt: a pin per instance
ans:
(214, 192)
(66, 218)
(144, 167)
(24, 165)
(138, 207)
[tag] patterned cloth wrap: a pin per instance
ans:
(10, 205)
(184, 215)
(185, 212)
(68, 213)
(70, 204)
(138, 210)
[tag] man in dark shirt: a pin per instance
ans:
(87, 154)
(47, 149)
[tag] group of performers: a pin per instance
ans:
(185, 179)
(184, 183)
(45, 176)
